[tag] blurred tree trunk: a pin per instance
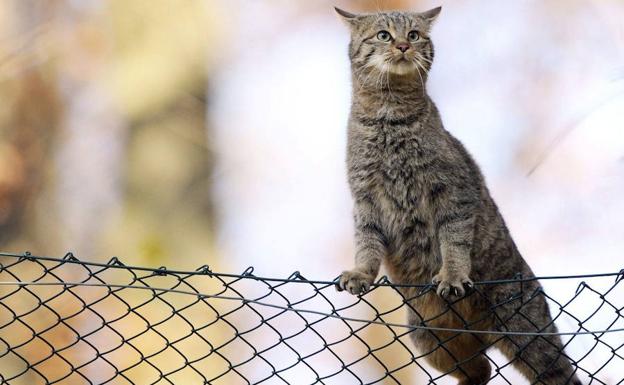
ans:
(28, 125)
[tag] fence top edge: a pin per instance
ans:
(296, 277)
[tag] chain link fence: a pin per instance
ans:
(65, 321)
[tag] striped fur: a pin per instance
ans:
(422, 208)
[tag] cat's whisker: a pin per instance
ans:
(371, 67)
(387, 73)
(421, 57)
(383, 72)
(360, 80)
(418, 67)
(371, 74)
(387, 67)
(379, 83)
(368, 76)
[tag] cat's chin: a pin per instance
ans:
(402, 68)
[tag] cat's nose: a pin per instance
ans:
(403, 47)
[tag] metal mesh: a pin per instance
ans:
(64, 321)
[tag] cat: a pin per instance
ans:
(422, 208)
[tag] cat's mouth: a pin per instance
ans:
(403, 60)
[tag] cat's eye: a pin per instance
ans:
(413, 36)
(384, 36)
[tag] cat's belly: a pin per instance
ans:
(413, 248)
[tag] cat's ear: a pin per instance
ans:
(347, 17)
(431, 15)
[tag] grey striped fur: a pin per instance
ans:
(422, 208)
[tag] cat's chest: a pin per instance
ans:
(399, 174)
(400, 157)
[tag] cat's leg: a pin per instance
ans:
(457, 354)
(455, 220)
(539, 358)
(460, 357)
(371, 246)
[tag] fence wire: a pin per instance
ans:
(65, 321)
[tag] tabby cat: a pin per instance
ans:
(423, 209)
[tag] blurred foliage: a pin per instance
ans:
(160, 51)
(151, 59)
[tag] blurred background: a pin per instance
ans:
(184, 133)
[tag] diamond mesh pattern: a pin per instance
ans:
(64, 321)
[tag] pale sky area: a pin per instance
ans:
(510, 79)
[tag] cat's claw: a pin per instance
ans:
(452, 284)
(355, 282)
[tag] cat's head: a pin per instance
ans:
(394, 43)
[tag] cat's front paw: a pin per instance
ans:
(355, 282)
(451, 284)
